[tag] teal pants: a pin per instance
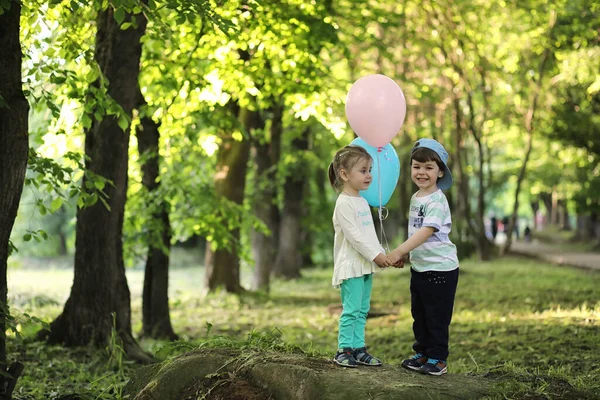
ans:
(356, 300)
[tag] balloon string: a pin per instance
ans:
(382, 236)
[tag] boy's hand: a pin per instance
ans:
(394, 257)
(381, 260)
(400, 263)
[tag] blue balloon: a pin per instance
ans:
(385, 171)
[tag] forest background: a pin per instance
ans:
(190, 140)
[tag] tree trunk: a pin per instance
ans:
(156, 321)
(594, 227)
(223, 265)
(252, 374)
(100, 292)
(61, 231)
(554, 220)
(547, 200)
(535, 206)
(305, 259)
(14, 148)
(463, 220)
(583, 227)
(482, 242)
(563, 215)
(264, 247)
(405, 191)
(287, 264)
(529, 119)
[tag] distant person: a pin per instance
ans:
(494, 227)
(527, 234)
(434, 269)
(505, 222)
(356, 252)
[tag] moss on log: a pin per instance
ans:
(233, 374)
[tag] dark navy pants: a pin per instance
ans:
(432, 302)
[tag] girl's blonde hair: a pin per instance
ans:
(345, 158)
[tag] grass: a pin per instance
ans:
(532, 327)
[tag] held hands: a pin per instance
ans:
(396, 259)
(381, 260)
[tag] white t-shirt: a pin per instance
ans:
(438, 253)
(355, 242)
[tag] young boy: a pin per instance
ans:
(434, 271)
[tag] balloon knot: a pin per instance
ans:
(379, 149)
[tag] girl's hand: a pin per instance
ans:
(381, 260)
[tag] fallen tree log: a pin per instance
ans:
(233, 374)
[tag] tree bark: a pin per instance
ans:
(547, 200)
(583, 227)
(288, 376)
(554, 218)
(156, 320)
(61, 231)
(287, 264)
(264, 247)
(535, 206)
(14, 147)
(463, 199)
(404, 186)
(100, 292)
(223, 265)
(563, 216)
(482, 242)
(529, 119)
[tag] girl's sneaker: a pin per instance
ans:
(415, 362)
(363, 357)
(434, 367)
(345, 358)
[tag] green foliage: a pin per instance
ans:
(62, 182)
(82, 371)
(16, 319)
(52, 193)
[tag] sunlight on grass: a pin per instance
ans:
(517, 320)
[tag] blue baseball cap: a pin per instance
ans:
(444, 182)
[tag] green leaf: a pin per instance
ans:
(99, 185)
(56, 204)
(123, 122)
(4, 4)
(119, 15)
(57, 79)
(27, 237)
(86, 121)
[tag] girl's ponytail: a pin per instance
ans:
(333, 180)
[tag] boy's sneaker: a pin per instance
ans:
(345, 358)
(434, 367)
(415, 362)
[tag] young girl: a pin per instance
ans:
(356, 253)
(434, 270)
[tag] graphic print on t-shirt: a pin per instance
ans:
(417, 222)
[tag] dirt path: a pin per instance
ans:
(551, 253)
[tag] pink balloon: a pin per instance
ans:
(375, 108)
